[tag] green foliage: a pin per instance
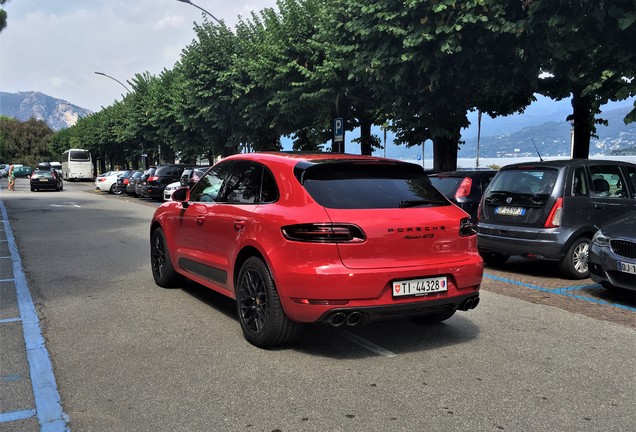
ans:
(3, 16)
(418, 66)
(25, 142)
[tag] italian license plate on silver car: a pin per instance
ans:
(627, 267)
(417, 287)
(510, 211)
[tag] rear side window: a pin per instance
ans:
(607, 181)
(367, 186)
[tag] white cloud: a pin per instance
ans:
(55, 46)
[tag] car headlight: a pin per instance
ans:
(600, 239)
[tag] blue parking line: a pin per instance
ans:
(16, 415)
(48, 406)
(564, 291)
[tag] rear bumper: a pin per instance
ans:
(315, 298)
(547, 243)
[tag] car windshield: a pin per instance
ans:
(371, 186)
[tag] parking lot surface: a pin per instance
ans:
(539, 353)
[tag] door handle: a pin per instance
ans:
(239, 225)
(200, 220)
(599, 206)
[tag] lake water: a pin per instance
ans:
(500, 162)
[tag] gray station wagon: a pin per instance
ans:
(550, 210)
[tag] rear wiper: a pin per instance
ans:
(415, 203)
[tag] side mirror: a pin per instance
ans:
(181, 195)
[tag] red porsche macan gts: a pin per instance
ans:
(318, 238)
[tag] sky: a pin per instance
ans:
(56, 46)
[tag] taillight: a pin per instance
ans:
(464, 188)
(466, 228)
(101, 179)
(324, 233)
(153, 178)
(125, 181)
(554, 218)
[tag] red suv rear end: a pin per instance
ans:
(323, 238)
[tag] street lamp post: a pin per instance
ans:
(199, 7)
(114, 79)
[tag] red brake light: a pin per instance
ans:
(153, 178)
(323, 233)
(464, 188)
(554, 218)
(101, 179)
(125, 181)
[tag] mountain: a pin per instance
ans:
(57, 113)
(543, 122)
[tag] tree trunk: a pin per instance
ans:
(445, 149)
(365, 137)
(583, 124)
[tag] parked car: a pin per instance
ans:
(464, 187)
(22, 171)
(318, 238)
(167, 192)
(162, 177)
(192, 175)
(107, 182)
(122, 181)
(612, 259)
(4, 168)
(131, 185)
(141, 184)
(550, 210)
(46, 179)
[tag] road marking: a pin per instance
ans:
(16, 415)
(48, 406)
(368, 345)
(564, 291)
(9, 320)
(66, 204)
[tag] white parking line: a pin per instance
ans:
(368, 345)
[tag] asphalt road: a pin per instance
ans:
(129, 356)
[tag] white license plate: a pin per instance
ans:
(417, 287)
(627, 267)
(44, 180)
(510, 211)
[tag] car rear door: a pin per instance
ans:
(609, 196)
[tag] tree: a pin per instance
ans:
(586, 49)
(428, 62)
(3, 16)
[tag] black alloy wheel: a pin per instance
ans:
(260, 312)
(164, 274)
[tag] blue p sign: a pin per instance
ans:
(338, 129)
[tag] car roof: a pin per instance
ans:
(565, 162)
(310, 158)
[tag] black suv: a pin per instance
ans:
(464, 187)
(162, 177)
(551, 210)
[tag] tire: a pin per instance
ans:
(494, 258)
(433, 318)
(574, 264)
(112, 189)
(32, 189)
(117, 191)
(160, 263)
(260, 312)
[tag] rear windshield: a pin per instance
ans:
(80, 155)
(48, 174)
(369, 186)
(446, 185)
(535, 181)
